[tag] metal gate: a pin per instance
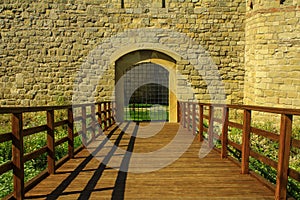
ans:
(146, 93)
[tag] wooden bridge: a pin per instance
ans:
(86, 172)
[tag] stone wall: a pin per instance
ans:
(272, 53)
(44, 43)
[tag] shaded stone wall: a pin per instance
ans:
(272, 53)
(44, 43)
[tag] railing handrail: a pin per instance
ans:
(276, 110)
(24, 109)
(284, 138)
(18, 132)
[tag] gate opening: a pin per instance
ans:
(146, 93)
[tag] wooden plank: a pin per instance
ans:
(61, 141)
(264, 159)
(6, 167)
(189, 116)
(99, 119)
(296, 143)
(194, 118)
(211, 127)
(36, 180)
(246, 141)
(9, 110)
(60, 123)
(235, 125)
(235, 145)
(179, 113)
(206, 117)
(224, 137)
(294, 174)
(216, 178)
(201, 128)
(266, 134)
(70, 133)
(93, 117)
(288, 111)
(184, 114)
(108, 107)
(5, 137)
(35, 154)
(83, 125)
(105, 116)
(283, 156)
(31, 131)
(50, 142)
(17, 155)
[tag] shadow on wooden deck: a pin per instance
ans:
(90, 175)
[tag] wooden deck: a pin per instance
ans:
(189, 177)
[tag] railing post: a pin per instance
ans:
(93, 116)
(70, 133)
(83, 125)
(179, 119)
(50, 142)
(105, 116)
(184, 114)
(283, 156)
(113, 105)
(211, 127)
(108, 106)
(99, 118)
(246, 141)
(194, 118)
(200, 122)
(189, 115)
(224, 139)
(17, 155)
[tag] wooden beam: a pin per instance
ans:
(83, 125)
(246, 141)
(50, 142)
(184, 114)
(17, 155)
(70, 133)
(194, 118)
(93, 116)
(283, 156)
(211, 127)
(224, 139)
(189, 115)
(200, 123)
(105, 116)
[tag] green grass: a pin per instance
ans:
(31, 143)
(269, 149)
(34, 167)
(143, 112)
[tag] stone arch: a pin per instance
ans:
(129, 59)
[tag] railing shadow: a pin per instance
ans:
(118, 189)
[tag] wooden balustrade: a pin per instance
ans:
(284, 138)
(191, 115)
(18, 132)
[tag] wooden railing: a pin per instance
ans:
(87, 118)
(192, 116)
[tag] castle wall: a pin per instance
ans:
(44, 43)
(272, 53)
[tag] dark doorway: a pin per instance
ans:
(146, 93)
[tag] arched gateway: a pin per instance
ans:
(145, 86)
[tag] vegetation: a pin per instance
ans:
(31, 143)
(33, 167)
(269, 149)
(146, 112)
